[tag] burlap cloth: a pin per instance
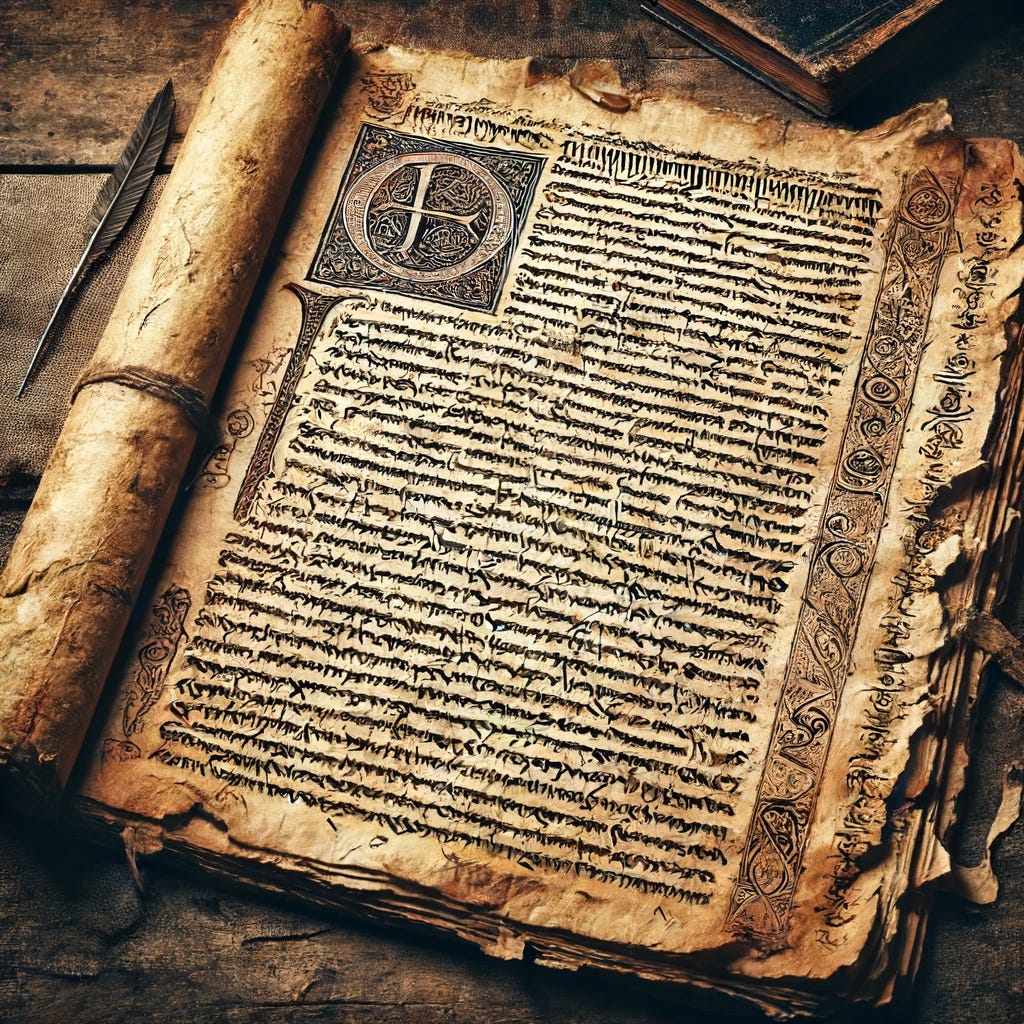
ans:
(42, 235)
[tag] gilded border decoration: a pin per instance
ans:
(843, 554)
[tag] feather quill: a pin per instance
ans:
(117, 201)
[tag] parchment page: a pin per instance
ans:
(573, 461)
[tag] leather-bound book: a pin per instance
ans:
(819, 55)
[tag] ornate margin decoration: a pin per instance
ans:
(315, 308)
(840, 566)
(216, 470)
(166, 629)
(386, 91)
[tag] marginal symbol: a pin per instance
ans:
(882, 390)
(769, 871)
(918, 249)
(960, 362)
(788, 781)
(843, 559)
(428, 217)
(167, 627)
(840, 524)
(886, 351)
(239, 424)
(770, 864)
(951, 401)
(385, 92)
(873, 427)
(927, 206)
(863, 466)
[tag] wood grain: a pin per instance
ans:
(75, 76)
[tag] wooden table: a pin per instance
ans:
(78, 943)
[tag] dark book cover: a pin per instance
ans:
(817, 53)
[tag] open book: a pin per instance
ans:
(599, 502)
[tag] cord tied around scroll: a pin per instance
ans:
(187, 398)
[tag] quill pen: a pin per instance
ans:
(117, 200)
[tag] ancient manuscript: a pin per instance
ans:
(598, 503)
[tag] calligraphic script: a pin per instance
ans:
(594, 500)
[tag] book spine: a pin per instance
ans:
(712, 45)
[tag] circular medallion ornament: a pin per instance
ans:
(428, 217)
(927, 207)
(881, 390)
(843, 559)
(862, 467)
(839, 524)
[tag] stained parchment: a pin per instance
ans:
(87, 541)
(600, 500)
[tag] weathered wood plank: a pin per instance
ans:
(85, 946)
(79, 943)
(75, 76)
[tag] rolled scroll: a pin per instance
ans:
(80, 560)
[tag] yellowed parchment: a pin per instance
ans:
(600, 501)
(88, 539)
